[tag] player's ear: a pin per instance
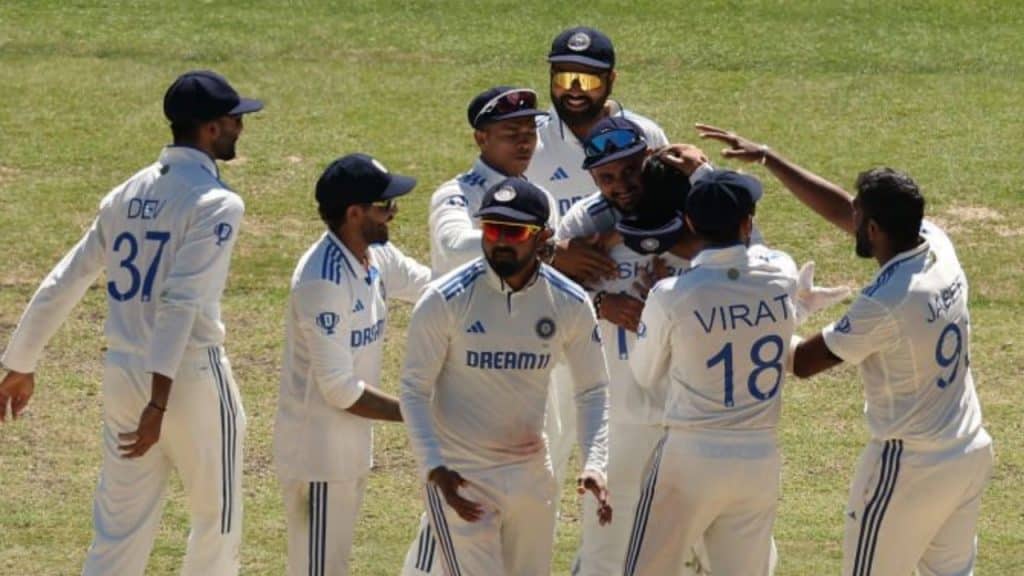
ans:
(612, 75)
(353, 212)
(544, 234)
(480, 136)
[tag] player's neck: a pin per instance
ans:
(205, 149)
(520, 279)
(885, 253)
(355, 244)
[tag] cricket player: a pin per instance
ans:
(482, 341)
(719, 333)
(620, 163)
(504, 129)
(915, 497)
(582, 74)
(330, 379)
(164, 237)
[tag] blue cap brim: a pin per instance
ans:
(245, 106)
(589, 163)
(578, 59)
(399, 186)
(508, 214)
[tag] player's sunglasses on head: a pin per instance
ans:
(511, 101)
(512, 232)
(389, 204)
(610, 141)
(587, 82)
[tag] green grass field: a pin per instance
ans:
(931, 87)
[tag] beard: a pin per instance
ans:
(374, 233)
(504, 263)
(864, 248)
(224, 147)
(575, 117)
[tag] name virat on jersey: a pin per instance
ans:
(738, 315)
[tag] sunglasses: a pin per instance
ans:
(507, 102)
(513, 233)
(388, 205)
(587, 82)
(610, 141)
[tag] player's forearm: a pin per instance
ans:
(824, 197)
(592, 415)
(376, 405)
(415, 405)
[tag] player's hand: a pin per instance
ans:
(449, 481)
(136, 444)
(16, 389)
(739, 148)
(650, 276)
(811, 298)
(622, 310)
(584, 259)
(593, 482)
(685, 158)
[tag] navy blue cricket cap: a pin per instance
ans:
(358, 179)
(612, 138)
(583, 45)
(515, 200)
(721, 199)
(502, 103)
(203, 95)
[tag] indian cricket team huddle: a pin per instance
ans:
(590, 284)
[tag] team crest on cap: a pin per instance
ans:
(378, 165)
(579, 42)
(505, 195)
(650, 244)
(545, 328)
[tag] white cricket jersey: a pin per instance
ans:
(478, 363)
(164, 237)
(909, 333)
(337, 318)
(557, 163)
(629, 402)
(720, 332)
(454, 230)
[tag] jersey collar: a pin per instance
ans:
(885, 271)
(172, 155)
(351, 262)
(496, 282)
(490, 175)
(730, 255)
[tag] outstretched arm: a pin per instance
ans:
(829, 200)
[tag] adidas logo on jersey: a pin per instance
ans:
(560, 174)
(476, 328)
(359, 306)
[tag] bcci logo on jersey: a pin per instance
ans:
(327, 321)
(223, 232)
(545, 328)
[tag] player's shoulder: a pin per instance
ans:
(450, 193)
(562, 286)
(763, 257)
(324, 261)
(459, 281)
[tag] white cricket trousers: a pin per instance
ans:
(560, 430)
(908, 509)
(721, 484)
(201, 437)
(513, 537)
(321, 518)
(603, 548)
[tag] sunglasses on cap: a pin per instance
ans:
(587, 82)
(610, 141)
(507, 102)
(512, 232)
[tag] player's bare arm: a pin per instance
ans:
(16, 389)
(137, 443)
(829, 200)
(448, 482)
(376, 404)
(812, 356)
